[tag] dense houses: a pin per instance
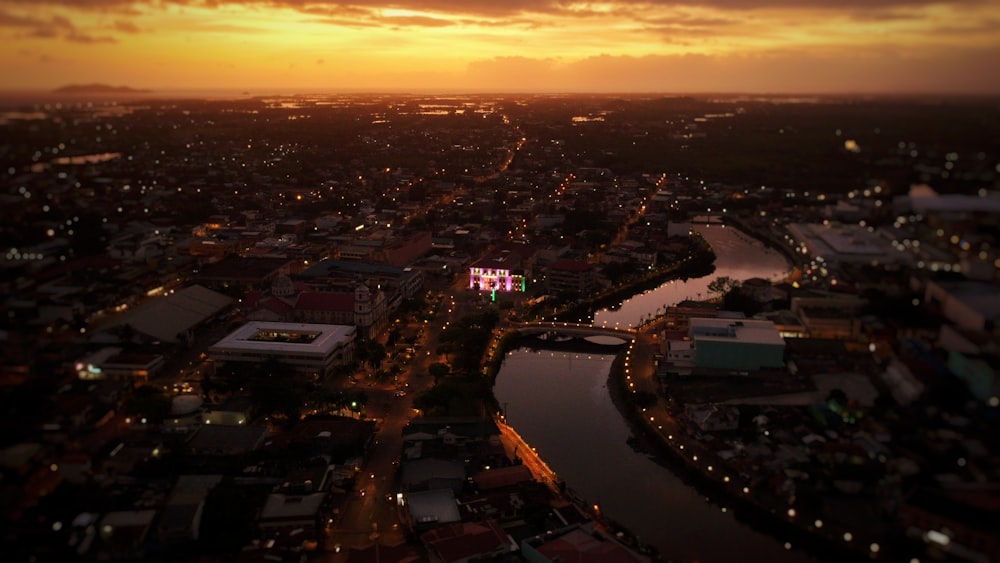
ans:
(181, 242)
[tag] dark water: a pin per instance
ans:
(559, 403)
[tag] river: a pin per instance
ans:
(560, 404)
(737, 255)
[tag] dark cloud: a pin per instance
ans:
(415, 21)
(126, 26)
(86, 38)
(493, 7)
(55, 27)
(8, 19)
(681, 25)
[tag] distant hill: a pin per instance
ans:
(98, 89)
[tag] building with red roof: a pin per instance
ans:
(466, 541)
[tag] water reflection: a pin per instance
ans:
(559, 402)
(737, 255)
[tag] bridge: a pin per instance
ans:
(574, 329)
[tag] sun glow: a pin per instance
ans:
(583, 46)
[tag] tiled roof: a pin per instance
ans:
(325, 301)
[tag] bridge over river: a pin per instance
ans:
(623, 335)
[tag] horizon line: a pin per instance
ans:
(28, 96)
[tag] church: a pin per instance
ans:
(363, 308)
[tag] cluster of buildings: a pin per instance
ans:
(855, 400)
(464, 500)
(128, 269)
(124, 263)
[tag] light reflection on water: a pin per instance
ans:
(559, 403)
(737, 256)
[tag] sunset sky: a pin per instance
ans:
(775, 46)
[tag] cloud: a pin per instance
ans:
(440, 13)
(8, 19)
(55, 27)
(506, 73)
(492, 7)
(416, 21)
(779, 71)
(126, 26)
(80, 37)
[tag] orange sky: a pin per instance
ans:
(779, 46)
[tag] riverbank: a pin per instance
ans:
(700, 262)
(661, 433)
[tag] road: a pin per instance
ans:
(371, 513)
(516, 447)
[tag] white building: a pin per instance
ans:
(309, 348)
(742, 345)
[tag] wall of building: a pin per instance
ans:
(741, 356)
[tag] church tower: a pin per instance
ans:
(363, 309)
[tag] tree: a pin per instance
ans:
(372, 353)
(393, 337)
(645, 399)
(445, 349)
(277, 388)
(149, 402)
(438, 370)
(229, 518)
(723, 285)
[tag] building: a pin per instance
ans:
(505, 269)
(114, 363)
(572, 276)
(365, 309)
(242, 273)
(829, 316)
(740, 345)
(313, 349)
(234, 411)
(181, 517)
(292, 512)
(172, 317)
(430, 508)
(847, 244)
(407, 282)
(466, 542)
(501, 272)
(970, 305)
(226, 440)
(122, 534)
(577, 543)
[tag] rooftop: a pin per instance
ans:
(285, 337)
(748, 331)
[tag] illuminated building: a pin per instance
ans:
(504, 270)
(113, 363)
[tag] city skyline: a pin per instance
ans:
(778, 46)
